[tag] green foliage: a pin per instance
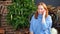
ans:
(20, 12)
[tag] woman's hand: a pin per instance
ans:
(44, 13)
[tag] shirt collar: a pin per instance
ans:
(40, 15)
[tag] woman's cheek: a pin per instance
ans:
(42, 12)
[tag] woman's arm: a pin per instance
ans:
(31, 25)
(31, 32)
(43, 17)
(46, 23)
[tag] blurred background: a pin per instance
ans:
(15, 15)
(49, 2)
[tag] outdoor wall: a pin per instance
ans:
(3, 12)
(7, 29)
(48, 2)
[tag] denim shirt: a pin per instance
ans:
(37, 27)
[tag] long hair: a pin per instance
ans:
(45, 7)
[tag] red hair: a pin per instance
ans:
(45, 7)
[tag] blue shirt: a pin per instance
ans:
(37, 27)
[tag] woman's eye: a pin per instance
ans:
(41, 9)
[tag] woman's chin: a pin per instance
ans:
(40, 13)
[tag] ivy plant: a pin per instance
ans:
(19, 13)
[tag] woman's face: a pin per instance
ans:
(40, 9)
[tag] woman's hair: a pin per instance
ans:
(45, 7)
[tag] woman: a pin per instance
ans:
(41, 22)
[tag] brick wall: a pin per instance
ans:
(3, 12)
(3, 5)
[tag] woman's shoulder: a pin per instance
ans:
(33, 20)
(33, 16)
(49, 17)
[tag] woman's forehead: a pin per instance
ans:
(40, 6)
